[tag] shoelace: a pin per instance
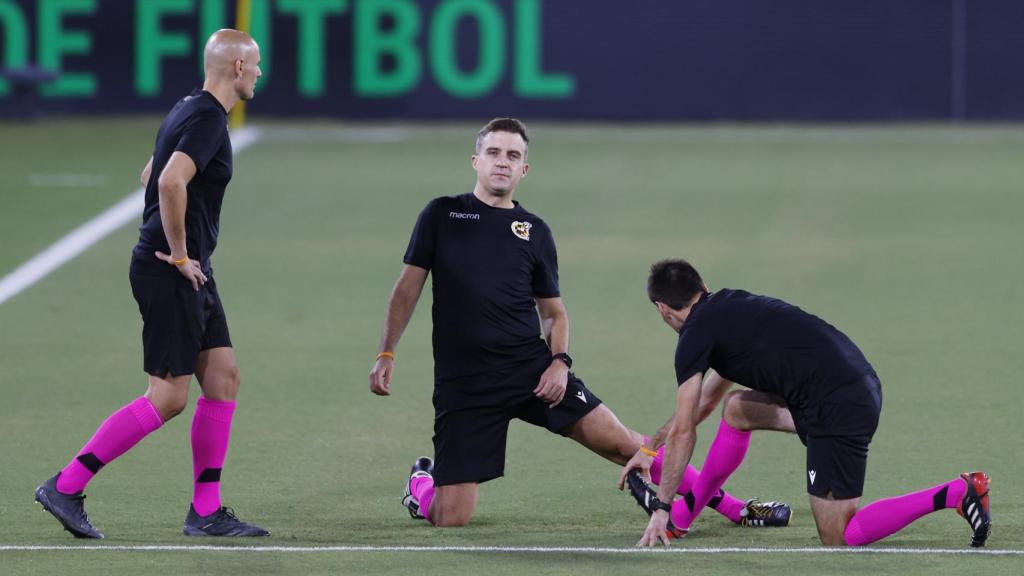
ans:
(85, 517)
(762, 509)
(229, 512)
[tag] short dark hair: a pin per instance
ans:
(674, 283)
(513, 125)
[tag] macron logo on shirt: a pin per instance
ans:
(463, 216)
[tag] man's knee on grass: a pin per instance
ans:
(453, 505)
(831, 517)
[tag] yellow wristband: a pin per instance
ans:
(648, 451)
(386, 355)
(181, 262)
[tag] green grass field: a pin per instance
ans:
(907, 238)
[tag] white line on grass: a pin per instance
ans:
(81, 238)
(515, 550)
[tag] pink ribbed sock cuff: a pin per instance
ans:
(146, 414)
(730, 434)
(219, 410)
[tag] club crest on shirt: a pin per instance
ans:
(522, 229)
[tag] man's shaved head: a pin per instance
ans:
(232, 63)
(224, 48)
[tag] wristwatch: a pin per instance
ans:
(563, 357)
(657, 504)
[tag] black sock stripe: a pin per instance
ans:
(90, 461)
(939, 499)
(690, 500)
(714, 502)
(208, 475)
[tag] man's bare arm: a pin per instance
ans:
(678, 450)
(173, 186)
(173, 193)
(401, 305)
(712, 391)
(711, 394)
(681, 437)
(555, 322)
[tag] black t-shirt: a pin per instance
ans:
(198, 127)
(768, 345)
(488, 265)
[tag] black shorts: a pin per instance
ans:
(837, 431)
(472, 417)
(178, 322)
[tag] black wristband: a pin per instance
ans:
(657, 504)
(563, 357)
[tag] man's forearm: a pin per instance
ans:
(658, 439)
(558, 334)
(173, 202)
(711, 394)
(400, 309)
(678, 452)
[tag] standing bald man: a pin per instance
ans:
(184, 331)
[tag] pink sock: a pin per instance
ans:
(724, 457)
(724, 503)
(884, 517)
(422, 489)
(211, 430)
(118, 433)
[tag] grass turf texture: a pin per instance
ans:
(906, 238)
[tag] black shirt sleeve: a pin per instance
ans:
(545, 272)
(693, 352)
(201, 136)
(424, 237)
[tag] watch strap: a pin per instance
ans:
(565, 358)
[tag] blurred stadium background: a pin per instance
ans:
(861, 159)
